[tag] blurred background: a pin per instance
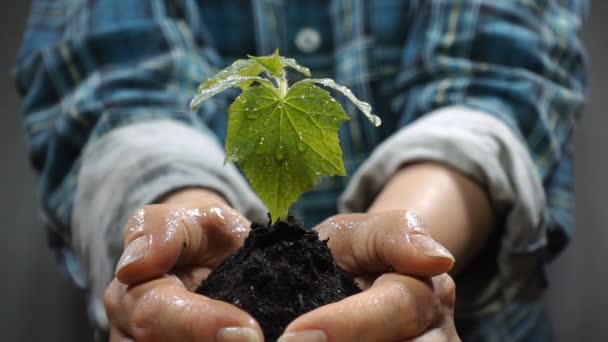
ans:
(38, 303)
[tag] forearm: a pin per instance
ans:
(456, 210)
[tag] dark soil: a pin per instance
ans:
(282, 272)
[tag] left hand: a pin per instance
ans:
(402, 270)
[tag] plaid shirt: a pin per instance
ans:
(88, 67)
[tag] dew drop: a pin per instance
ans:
(218, 87)
(364, 107)
(261, 148)
(252, 114)
(279, 153)
(375, 120)
(327, 166)
(302, 146)
(232, 158)
(267, 164)
(287, 167)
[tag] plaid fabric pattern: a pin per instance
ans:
(87, 67)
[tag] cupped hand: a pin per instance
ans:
(407, 294)
(169, 249)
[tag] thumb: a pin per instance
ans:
(160, 237)
(373, 243)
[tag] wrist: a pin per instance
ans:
(456, 209)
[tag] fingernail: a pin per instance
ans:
(237, 334)
(136, 250)
(304, 336)
(430, 247)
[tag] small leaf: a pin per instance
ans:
(272, 64)
(364, 107)
(223, 84)
(290, 62)
(285, 145)
(242, 67)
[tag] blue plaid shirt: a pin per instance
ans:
(88, 67)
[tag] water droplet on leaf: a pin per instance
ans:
(327, 166)
(279, 153)
(261, 148)
(252, 114)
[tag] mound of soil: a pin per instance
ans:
(281, 272)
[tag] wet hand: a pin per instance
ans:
(169, 249)
(402, 270)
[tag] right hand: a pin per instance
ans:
(168, 249)
(407, 295)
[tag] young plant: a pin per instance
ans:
(283, 137)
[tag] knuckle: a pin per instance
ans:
(181, 225)
(227, 225)
(143, 317)
(404, 304)
(135, 223)
(403, 297)
(111, 298)
(447, 290)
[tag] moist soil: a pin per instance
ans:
(281, 272)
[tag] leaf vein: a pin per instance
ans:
(311, 146)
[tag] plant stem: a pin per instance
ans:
(283, 86)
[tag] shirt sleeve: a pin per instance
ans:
(492, 88)
(106, 88)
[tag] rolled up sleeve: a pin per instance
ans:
(493, 89)
(106, 87)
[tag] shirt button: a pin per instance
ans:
(308, 40)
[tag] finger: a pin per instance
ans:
(443, 333)
(372, 243)
(395, 308)
(365, 281)
(191, 276)
(164, 310)
(445, 328)
(117, 336)
(160, 237)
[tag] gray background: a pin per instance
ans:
(38, 303)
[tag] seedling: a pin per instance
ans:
(283, 137)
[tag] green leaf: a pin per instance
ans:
(283, 138)
(284, 145)
(364, 107)
(272, 64)
(241, 67)
(223, 84)
(290, 62)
